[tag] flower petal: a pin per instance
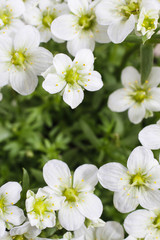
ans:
(110, 175)
(12, 192)
(149, 198)
(100, 34)
(4, 79)
(53, 83)
(73, 95)
(130, 76)
(153, 103)
(78, 7)
(84, 58)
(14, 215)
(119, 101)
(136, 113)
(150, 136)
(16, 7)
(61, 63)
(154, 79)
(85, 177)
(2, 228)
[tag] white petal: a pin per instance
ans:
(84, 58)
(63, 27)
(149, 198)
(93, 81)
(110, 176)
(111, 230)
(40, 59)
(2, 228)
(24, 82)
(100, 34)
(90, 206)
(81, 41)
(4, 78)
(70, 218)
(150, 136)
(140, 160)
(85, 177)
(154, 179)
(136, 113)
(78, 7)
(119, 101)
(153, 104)
(45, 34)
(6, 45)
(130, 76)
(154, 79)
(20, 229)
(118, 31)
(136, 223)
(73, 95)
(61, 63)
(16, 7)
(14, 215)
(27, 38)
(12, 192)
(33, 16)
(56, 174)
(126, 200)
(53, 83)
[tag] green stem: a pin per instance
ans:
(146, 52)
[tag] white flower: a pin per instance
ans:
(71, 77)
(147, 22)
(10, 12)
(43, 16)
(80, 27)
(21, 60)
(80, 202)
(150, 136)
(9, 214)
(41, 208)
(28, 4)
(143, 224)
(111, 230)
(140, 99)
(25, 231)
(136, 185)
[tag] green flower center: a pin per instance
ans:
(2, 203)
(129, 9)
(140, 95)
(157, 222)
(40, 207)
(71, 76)
(138, 180)
(148, 23)
(48, 19)
(5, 16)
(19, 237)
(71, 194)
(87, 21)
(18, 58)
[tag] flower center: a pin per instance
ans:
(157, 222)
(2, 203)
(87, 21)
(19, 237)
(48, 19)
(71, 194)
(71, 76)
(129, 9)
(40, 207)
(140, 95)
(18, 58)
(138, 180)
(148, 23)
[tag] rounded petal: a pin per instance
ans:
(90, 206)
(130, 76)
(27, 38)
(110, 175)
(136, 113)
(6, 45)
(85, 177)
(136, 223)
(84, 58)
(153, 103)
(154, 79)
(57, 174)
(70, 218)
(149, 198)
(33, 16)
(63, 27)
(23, 82)
(12, 192)
(16, 7)
(126, 200)
(119, 101)
(100, 34)
(140, 159)
(93, 81)
(118, 31)
(73, 95)
(81, 41)
(150, 136)
(78, 7)
(14, 215)
(4, 79)
(2, 228)
(61, 63)
(53, 83)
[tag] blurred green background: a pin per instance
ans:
(41, 127)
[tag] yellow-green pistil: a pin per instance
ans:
(87, 21)
(2, 203)
(5, 16)
(129, 9)
(72, 76)
(19, 237)
(71, 194)
(18, 58)
(48, 19)
(148, 23)
(40, 207)
(157, 222)
(138, 179)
